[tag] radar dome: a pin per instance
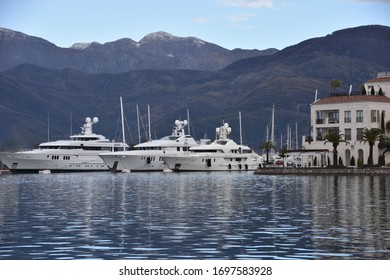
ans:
(95, 119)
(88, 120)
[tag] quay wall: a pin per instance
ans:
(366, 171)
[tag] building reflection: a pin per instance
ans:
(350, 213)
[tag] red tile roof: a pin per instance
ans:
(379, 80)
(352, 98)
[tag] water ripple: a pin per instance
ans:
(193, 216)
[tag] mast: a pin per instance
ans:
(188, 122)
(123, 123)
(239, 117)
(273, 125)
(150, 131)
(139, 132)
(71, 120)
(296, 136)
(48, 126)
(288, 137)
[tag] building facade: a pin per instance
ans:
(349, 114)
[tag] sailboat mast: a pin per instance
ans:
(239, 117)
(139, 132)
(296, 136)
(273, 125)
(150, 130)
(48, 126)
(188, 122)
(123, 122)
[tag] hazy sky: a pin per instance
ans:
(248, 24)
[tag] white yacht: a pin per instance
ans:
(148, 156)
(79, 153)
(222, 155)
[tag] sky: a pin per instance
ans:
(246, 24)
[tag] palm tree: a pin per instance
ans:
(267, 146)
(335, 84)
(371, 135)
(335, 138)
(384, 144)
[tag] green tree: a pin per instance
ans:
(384, 144)
(371, 135)
(335, 84)
(335, 138)
(363, 89)
(267, 146)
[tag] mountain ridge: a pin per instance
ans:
(158, 50)
(287, 79)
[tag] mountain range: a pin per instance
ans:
(159, 50)
(41, 83)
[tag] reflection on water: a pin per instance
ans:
(193, 216)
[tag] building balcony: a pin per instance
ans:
(327, 121)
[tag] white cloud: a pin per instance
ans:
(248, 3)
(240, 17)
(201, 20)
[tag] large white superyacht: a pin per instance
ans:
(148, 156)
(222, 155)
(79, 153)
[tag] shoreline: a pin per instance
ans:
(353, 171)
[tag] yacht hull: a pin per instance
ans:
(30, 162)
(195, 163)
(134, 161)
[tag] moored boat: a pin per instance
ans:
(79, 153)
(221, 155)
(148, 156)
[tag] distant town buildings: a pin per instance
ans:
(349, 114)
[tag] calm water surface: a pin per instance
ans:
(193, 216)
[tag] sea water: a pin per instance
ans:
(220, 215)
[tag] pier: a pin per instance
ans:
(343, 171)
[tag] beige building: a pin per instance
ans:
(349, 114)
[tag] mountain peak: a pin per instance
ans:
(80, 46)
(160, 35)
